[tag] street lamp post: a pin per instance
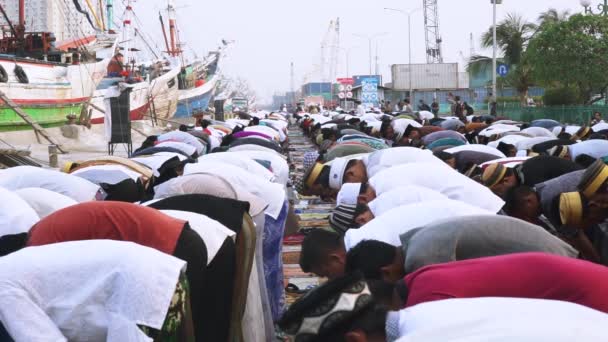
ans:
(603, 8)
(494, 47)
(370, 38)
(409, 42)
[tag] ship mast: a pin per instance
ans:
(175, 48)
(110, 13)
(127, 35)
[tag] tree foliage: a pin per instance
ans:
(552, 16)
(512, 36)
(572, 54)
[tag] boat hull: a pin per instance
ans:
(53, 91)
(47, 113)
(165, 94)
(194, 101)
(139, 103)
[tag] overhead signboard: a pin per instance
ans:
(346, 80)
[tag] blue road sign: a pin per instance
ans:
(502, 70)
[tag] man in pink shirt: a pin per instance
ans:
(522, 275)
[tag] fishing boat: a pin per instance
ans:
(154, 85)
(164, 92)
(197, 85)
(46, 82)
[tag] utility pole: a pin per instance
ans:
(494, 48)
(292, 84)
(377, 65)
(370, 38)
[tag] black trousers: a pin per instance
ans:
(217, 296)
(191, 248)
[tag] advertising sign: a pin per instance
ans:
(369, 92)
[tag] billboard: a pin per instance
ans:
(369, 91)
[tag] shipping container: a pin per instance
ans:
(316, 88)
(425, 76)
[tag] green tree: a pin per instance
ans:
(512, 36)
(572, 54)
(552, 16)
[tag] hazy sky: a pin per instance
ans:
(269, 34)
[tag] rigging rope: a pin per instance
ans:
(79, 9)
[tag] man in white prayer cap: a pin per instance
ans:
(361, 168)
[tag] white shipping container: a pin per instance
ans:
(425, 76)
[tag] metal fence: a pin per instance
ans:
(576, 115)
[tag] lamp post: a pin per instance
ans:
(409, 42)
(494, 47)
(603, 8)
(370, 38)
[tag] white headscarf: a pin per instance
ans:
(279, 165)
(109, 174)
(185, 138)
(43, 201)
(93, 290)
(187, 149)
(478, 148)
(235, 159)
(499, 320)
(72, 186)
(208, 184)
(16, 215)
(156, 161)
(538, 132)
(272, 193)
(403, 195)
(445, 180)
(595, 148)
(211, 231)
(388, 226)
(390, 157)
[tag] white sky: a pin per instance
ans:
(269, 34)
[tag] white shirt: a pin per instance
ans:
(43, 201)
(596, 148)
(388, 226)
(403, 195)
(500, 320)
(211, 231)
(390, 157)
(72, 186)
(445, 180)
(94, 290)
(272, 193)
(16, 215)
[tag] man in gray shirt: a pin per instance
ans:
(454, 239)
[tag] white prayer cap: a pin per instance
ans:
(336, 173)
(348, 193)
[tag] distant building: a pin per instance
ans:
(58, 17)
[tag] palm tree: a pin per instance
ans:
(512, 36)
(552, 16)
